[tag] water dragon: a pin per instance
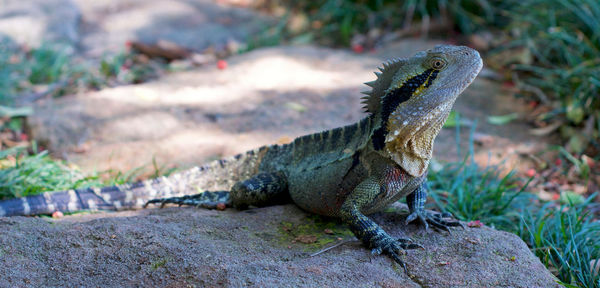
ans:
(347, 172)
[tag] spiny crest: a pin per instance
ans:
(372, 100)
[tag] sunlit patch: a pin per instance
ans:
(73, 200)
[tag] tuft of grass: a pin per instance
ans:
(23, 175)
(471, 192)
(566, 238)
(46, 64)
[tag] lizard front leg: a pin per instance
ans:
(367, 231)
(416, 205)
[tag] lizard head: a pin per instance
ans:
(411, 99)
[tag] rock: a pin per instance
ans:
(201, 248)
(36, 22)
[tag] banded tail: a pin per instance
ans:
(216, 175)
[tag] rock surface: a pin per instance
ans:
(257, 248)
(36, 22)
(266, 96)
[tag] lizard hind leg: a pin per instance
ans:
(262, 189)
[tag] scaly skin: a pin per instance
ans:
(347, 172)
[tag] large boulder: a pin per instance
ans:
(266, 247)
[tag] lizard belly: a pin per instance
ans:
(395, 184)
(316, 189)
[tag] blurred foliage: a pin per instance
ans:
(53, 70)
(336, 22)
(564, 38)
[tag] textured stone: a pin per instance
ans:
(189, 247)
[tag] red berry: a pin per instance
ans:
(24, 137)
(222, 64)
(530, 173)
(357, 48)
(475, 224)
(558, 162)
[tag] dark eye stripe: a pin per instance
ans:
(395, 97)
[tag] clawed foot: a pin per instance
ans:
(434, 218)
(394, 248)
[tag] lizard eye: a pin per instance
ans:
(438, 63)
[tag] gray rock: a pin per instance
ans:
(36, 22)
(257, 248)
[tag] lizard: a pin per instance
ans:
(347, 172)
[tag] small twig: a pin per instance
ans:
(28, 98)
(530, 88)
(331, 247)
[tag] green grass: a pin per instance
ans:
(566, 238)
(24, 174)
(34, 174)
(471, 192)
(562, 233)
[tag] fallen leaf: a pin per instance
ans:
(162, 49)
(306, 239)
(473, 240)
(502, 119)
(295, 106)
(221, 206)
(328, 231)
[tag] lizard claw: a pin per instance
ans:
(437, 220)
(394, 248)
